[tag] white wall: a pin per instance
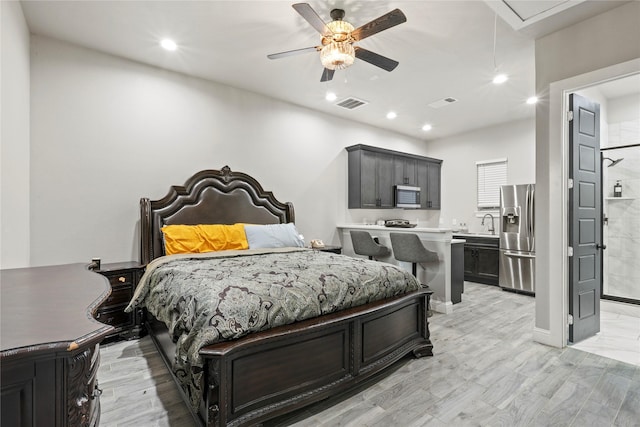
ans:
(625, 108)
(594, 44)
(514, 141)
(106, 131)
(14, 137)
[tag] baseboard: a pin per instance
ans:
(442, 307)
(544, 336)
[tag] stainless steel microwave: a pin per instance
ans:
(407, 196)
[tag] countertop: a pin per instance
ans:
(382, 227)
(46, 309)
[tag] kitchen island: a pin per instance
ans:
(437, 277)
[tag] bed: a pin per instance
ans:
(262, 374)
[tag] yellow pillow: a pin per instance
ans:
(181, 239)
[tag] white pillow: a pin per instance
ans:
(273, 236)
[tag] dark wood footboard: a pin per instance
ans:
(274, 372)
(264, 375)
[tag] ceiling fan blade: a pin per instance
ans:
(327, 75)
(376, 59)
(384, 22)
(307, 12)
(293, 52)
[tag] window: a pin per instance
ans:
(491, 175)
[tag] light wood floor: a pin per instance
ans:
(486, 371)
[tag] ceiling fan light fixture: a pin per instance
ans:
(337, 51)
(337, 55)
(340, 30)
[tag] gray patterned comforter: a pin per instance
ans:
(207, 298)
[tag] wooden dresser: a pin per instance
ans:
(49, 345)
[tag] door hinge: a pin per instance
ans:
(570, 183)
(570, 319)
(570, 251)
(569, 115)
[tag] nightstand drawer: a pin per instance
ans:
(116, 317)
(119, 295)
(123, 278)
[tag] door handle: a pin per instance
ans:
(599, 246)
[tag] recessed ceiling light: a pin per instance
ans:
(168, 44)
(532, 100)
(500, 78)
(330, 96)
(426, 127)
(391, 115)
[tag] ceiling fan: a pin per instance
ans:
(337, 51)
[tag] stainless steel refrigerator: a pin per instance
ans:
(517, 242)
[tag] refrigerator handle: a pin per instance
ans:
(516, 255)
(531, 212)
(527, 208)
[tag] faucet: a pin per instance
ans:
(492, 227)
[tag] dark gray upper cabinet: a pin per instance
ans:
(374, 171)
(432, 199)
(428, 173)
(371, 177)
(405, 170)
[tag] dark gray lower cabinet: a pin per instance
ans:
(457, 271)
(481, 259)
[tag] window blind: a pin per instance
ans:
(491, 175)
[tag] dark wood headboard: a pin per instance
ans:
(209, 197)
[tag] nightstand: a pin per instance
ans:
(327, 248)
(123, 278)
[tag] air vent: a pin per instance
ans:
(351, 103)
(442, 102)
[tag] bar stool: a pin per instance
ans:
(407, 247)
(364, 244)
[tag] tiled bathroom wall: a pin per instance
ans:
(622, 234)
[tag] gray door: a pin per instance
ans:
(585, 214)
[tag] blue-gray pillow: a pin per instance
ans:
(273, 236)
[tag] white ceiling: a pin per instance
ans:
(445, 49)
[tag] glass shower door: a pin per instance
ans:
(621, 225)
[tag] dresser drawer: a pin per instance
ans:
(116, 317)
(119, 295)
(83, 404)
(93, 390)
